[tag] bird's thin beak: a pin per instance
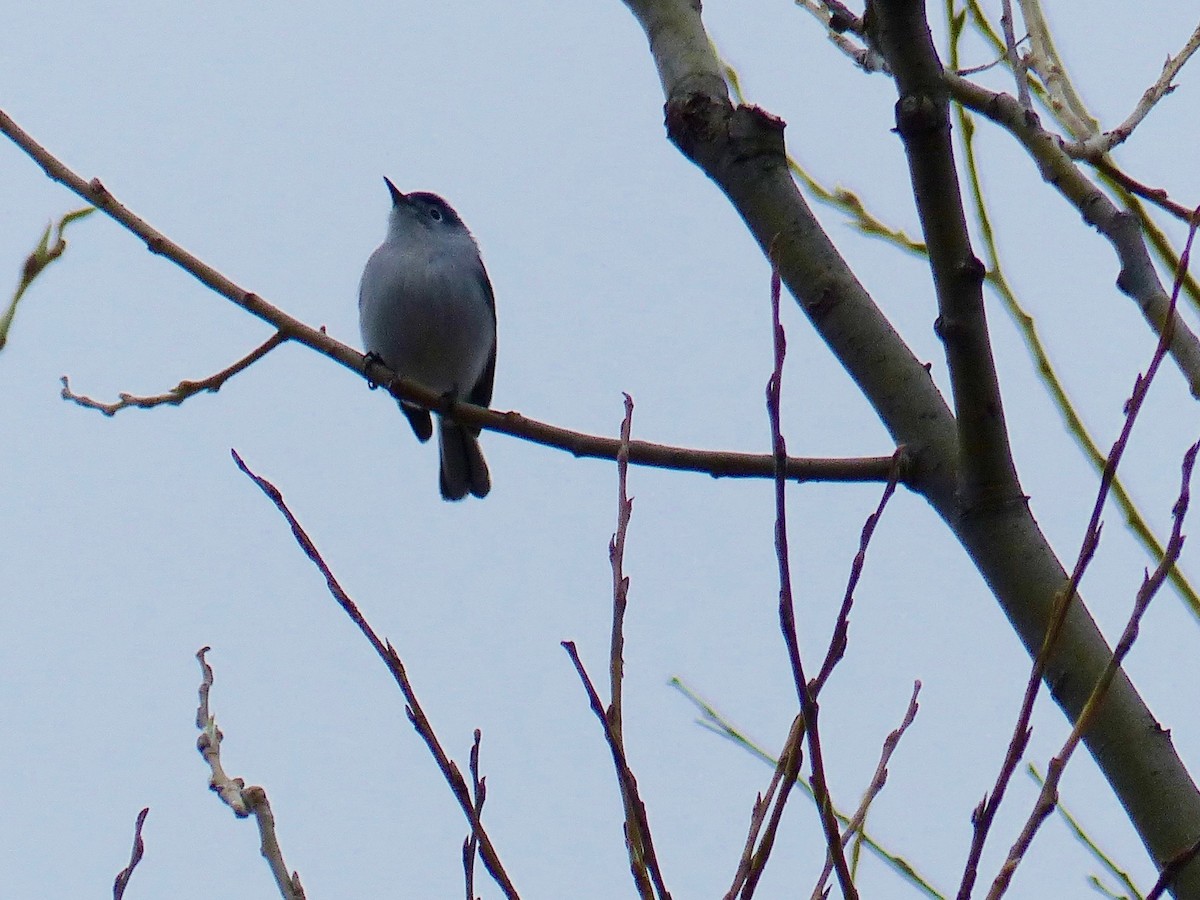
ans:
(397, 196)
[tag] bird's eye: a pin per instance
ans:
(435, 214)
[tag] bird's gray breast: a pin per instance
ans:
(428, 315)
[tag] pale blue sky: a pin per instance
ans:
(257, 138)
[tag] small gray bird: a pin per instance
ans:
(425, 308)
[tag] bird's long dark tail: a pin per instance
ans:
(464, 470)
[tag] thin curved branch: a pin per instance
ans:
(176, 395)
(391, 659)
(717, 463)
(1097, 145)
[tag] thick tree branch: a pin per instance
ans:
(1138, 278)
(987, 476)
(741, 149)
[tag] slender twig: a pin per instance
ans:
(841, 630)
(758, 814)
(1070, 121)
(878, 780)
(642, 453)
(1099, 854)
(181, 391)
(839, 22)
(1048, 796)
(634, 839)
(416, 714)
(620, 581)
(648, 861)
(1043, 58)
(787, 774)
(986, 811)
(479, 794)
(1095, 146)
(718, 724)
(1013, 54)
(139, 848)
(809, 706)
(243, 801)
(1158, 196)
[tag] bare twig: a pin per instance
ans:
(620, 581)
(718, 724)
(479, 793)
(391, 659)
(648, 861)
(1015, 62)
(809, 707)
(758, 814)
(986, 811)
(839, 23)
(243, 801)
(1158, 196)
(634, 838)
(841, 631)
(135, 856)
(642, 453)
(1044, 60)
(1048, 796)
(1095, 146)
(878, 780)
(181, 391)
(787, 773)
(1102, 857)
(1078, 122)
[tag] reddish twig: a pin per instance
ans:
(634, 837)
(985, 812)
(787, 613)
(841, 631)
(135, 857)
(479, 792)
(620, 582)
(787, 771)
(647, 861)
(1158, 196)
(878, 780)
(416, 715)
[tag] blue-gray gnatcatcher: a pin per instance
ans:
(426, 309)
